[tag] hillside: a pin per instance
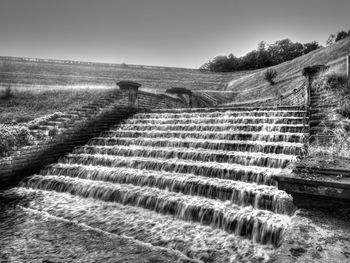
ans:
(253, 86)
(229, 88)
(55, 72)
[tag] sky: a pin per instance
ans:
(178, 33)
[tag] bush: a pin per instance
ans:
(13, 137)
(270, 75)
(7, 94)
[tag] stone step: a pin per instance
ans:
(204, 155)
(313, 107)
(221, 114)
(225, 145)
(224, 135)
(147, 226)
(224, 109)
(323, 104)
(236, 172)
(231, 120)
(293, 128)
(239, 193)
(231, 218)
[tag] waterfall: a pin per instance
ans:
(210, 171)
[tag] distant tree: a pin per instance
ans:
(264, 56)
(341, 35)
(333, 38)
(308, 47)
(233, 62)
(284, 50)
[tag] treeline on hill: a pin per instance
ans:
(267, 55)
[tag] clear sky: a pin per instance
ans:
(183, 33)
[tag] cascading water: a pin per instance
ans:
(191, 181)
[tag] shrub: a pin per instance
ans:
(13, 137)
(7, 94)
(270, 75)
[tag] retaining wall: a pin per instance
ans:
(82, 125)
(296, 97)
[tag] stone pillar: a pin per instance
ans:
(181, 91)
(348, 66)
(310, 73)
(131, 88)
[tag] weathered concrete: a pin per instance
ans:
(131, 88)
(31, 159)
(325, 189)
(85, 123)
(182, 92)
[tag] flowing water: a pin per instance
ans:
(201, 183)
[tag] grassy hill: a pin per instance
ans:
(54, 72)
(253, 86)
(229, 88)
(40, 87)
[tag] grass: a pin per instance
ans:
(44, 87)
(251, 86)
(50, 73)
(153, 79)
(28, 103)
(335, 152)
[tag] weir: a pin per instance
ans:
(210, 174)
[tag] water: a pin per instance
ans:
(200, 183)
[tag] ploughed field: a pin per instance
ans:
(185, 185)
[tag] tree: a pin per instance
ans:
(308, 47)
(330, 40)
(337, 37)
(341, 35)
(284, 50)
(264, 56)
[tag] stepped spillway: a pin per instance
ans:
(189, 181)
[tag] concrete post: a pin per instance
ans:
(132, 89)
(180, 91)
(348, 66)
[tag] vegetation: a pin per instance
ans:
(268, 55)
(337, 120)
(252, 86)
(265, 56)
(12, 137)
(270, 76)
(7, 94)
(26, 104)
(28, 108)
(337, 37)
(17, 71)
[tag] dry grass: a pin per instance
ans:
(289, 76)
(28, 103)
(40, 73)
(152, 79)
(336, 152)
